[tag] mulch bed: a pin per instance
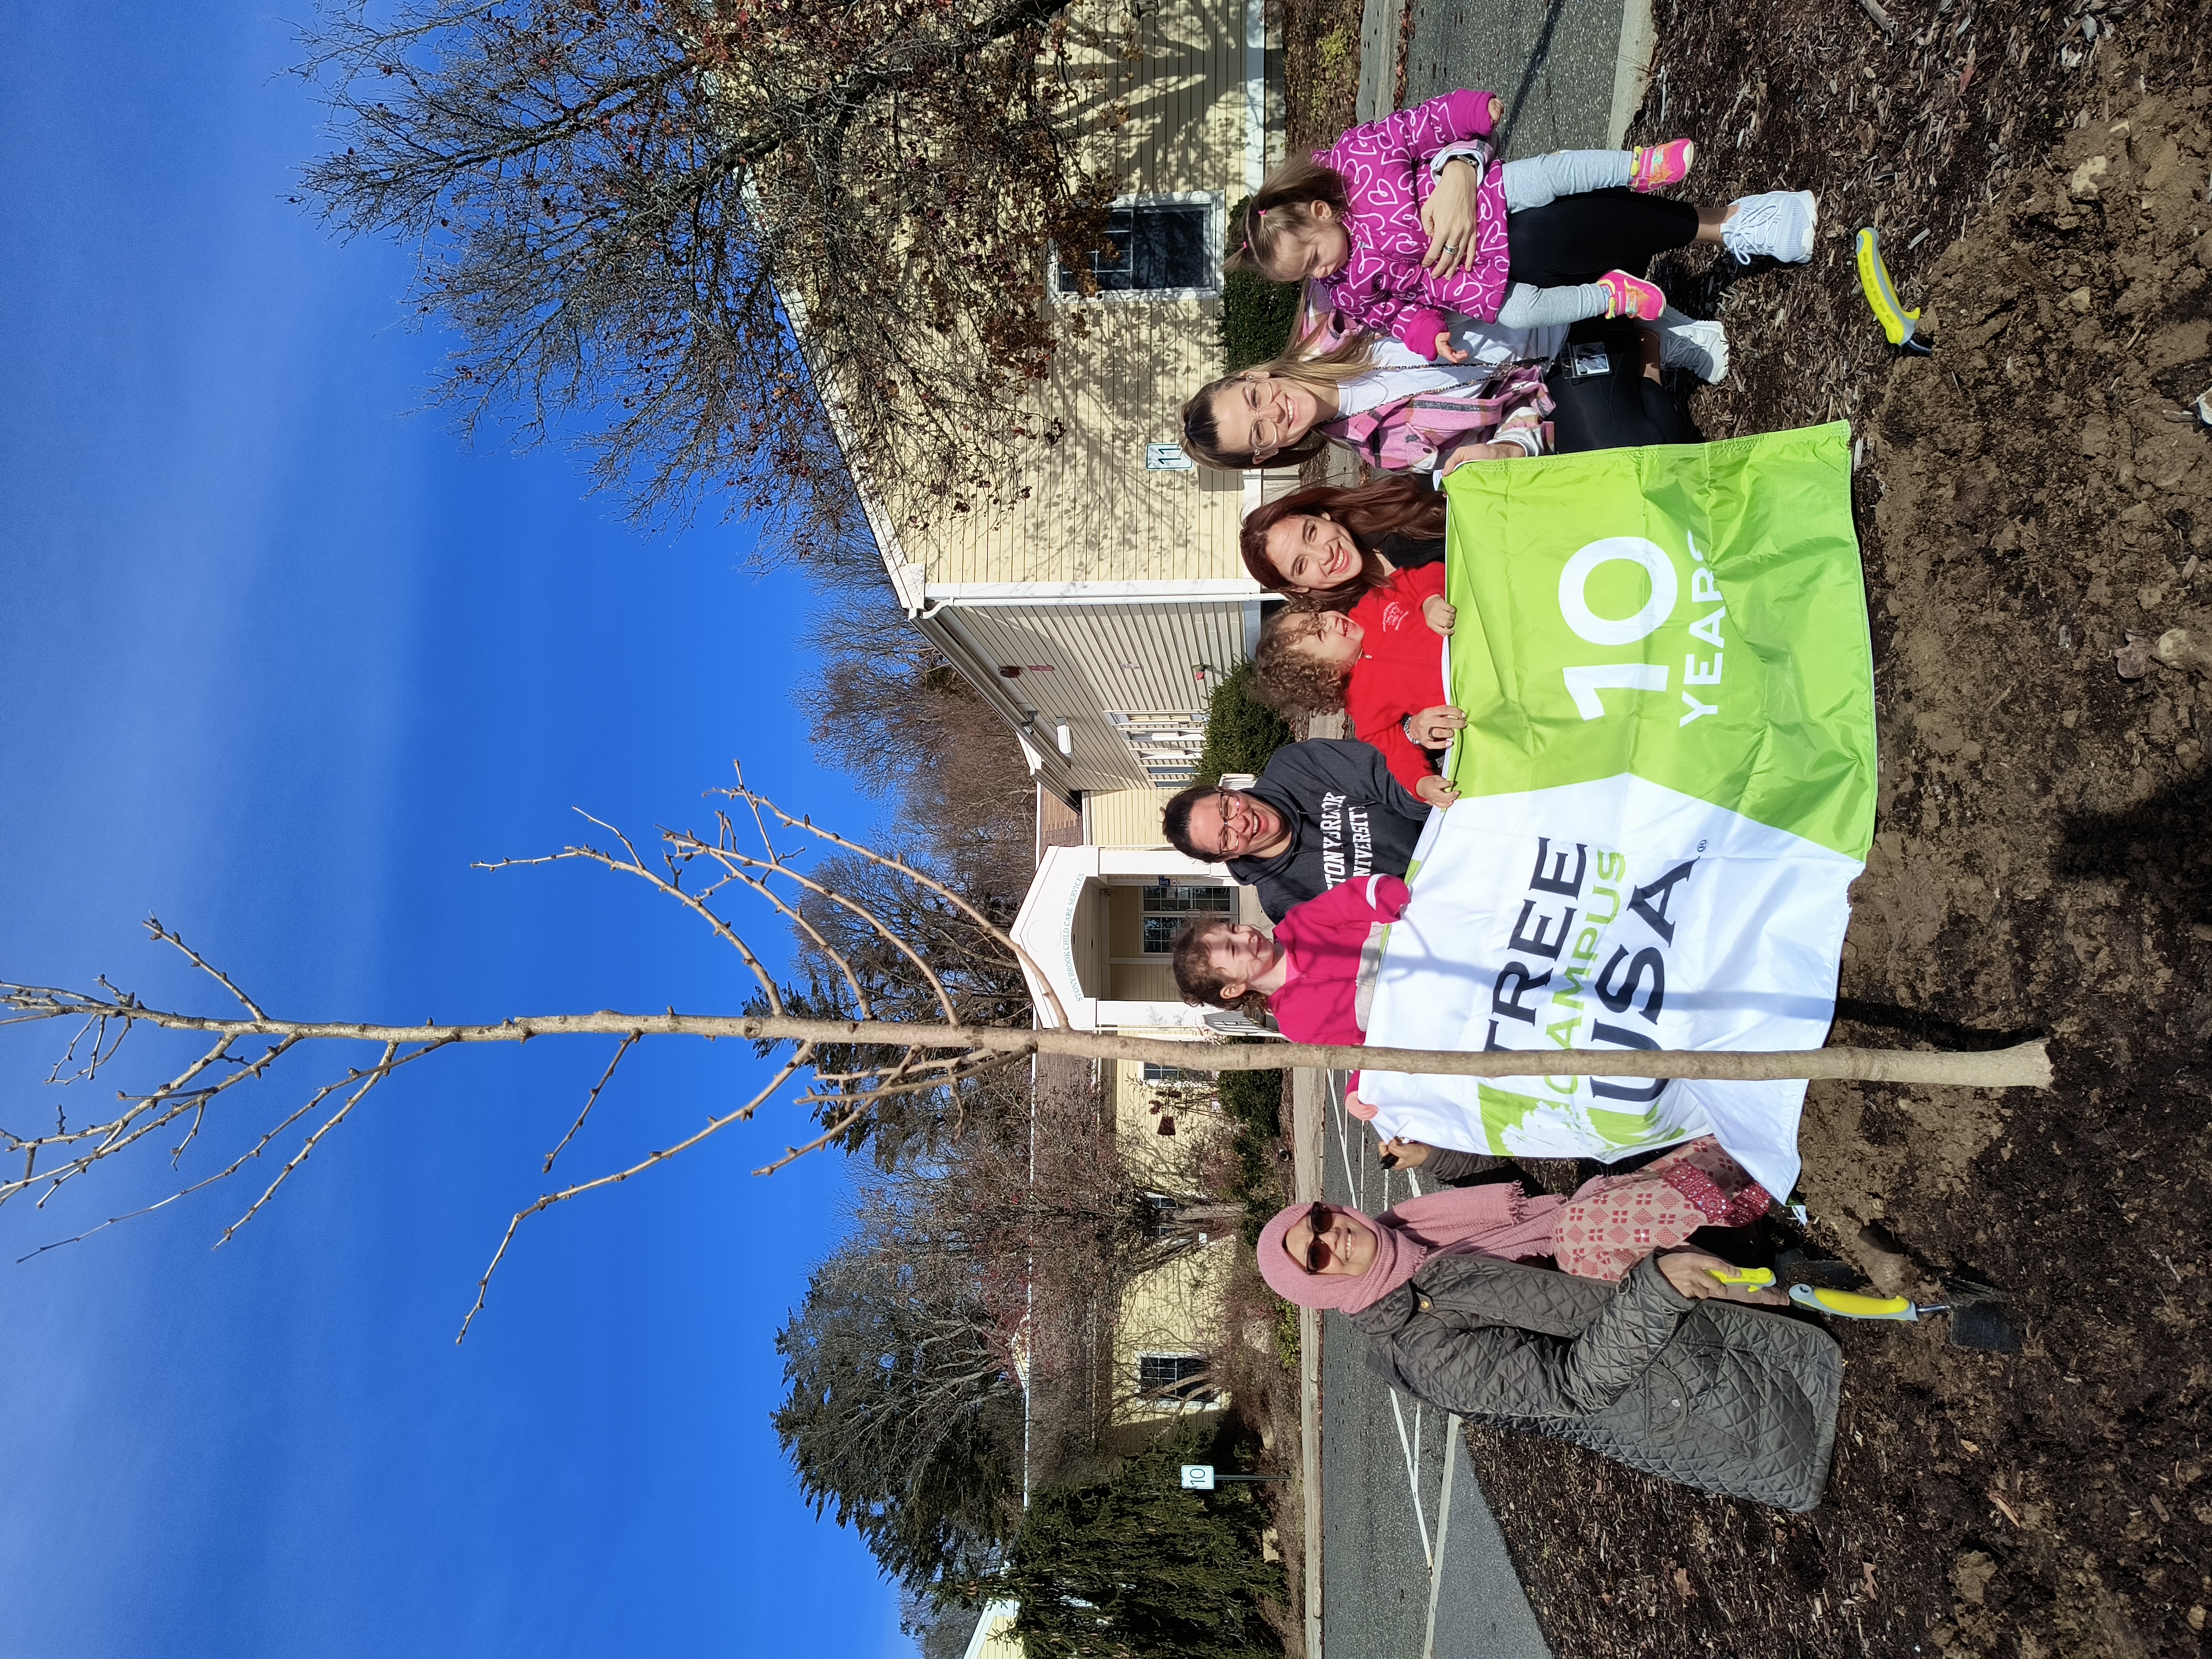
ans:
(2034, 512)
(1321, 70)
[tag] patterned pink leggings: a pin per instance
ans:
(1615, 1221)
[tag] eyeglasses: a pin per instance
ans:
(1264, 436)
(1224, 805)
(1317, 1252)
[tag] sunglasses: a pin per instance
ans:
(1317, 1254)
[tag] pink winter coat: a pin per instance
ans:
(1385, 166)
(1335, 946)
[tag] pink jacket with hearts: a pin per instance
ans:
(1385, 166)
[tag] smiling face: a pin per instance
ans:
(1312, 553)
(1230, 823)
(1331, 637)
(1258, 415)
(1240, 953)
(1346, 1248)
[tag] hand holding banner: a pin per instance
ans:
(1668, 779)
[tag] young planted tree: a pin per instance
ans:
(856, 1064)
(613, 203)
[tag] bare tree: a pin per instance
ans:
(856, 1064)
(612, 202)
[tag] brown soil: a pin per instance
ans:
(2028, 501)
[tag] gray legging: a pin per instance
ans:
(1538, 181)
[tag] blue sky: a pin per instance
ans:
(279, 659)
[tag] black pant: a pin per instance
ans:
(1617, 410)
(1577, 238)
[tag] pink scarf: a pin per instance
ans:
(1493, 1220)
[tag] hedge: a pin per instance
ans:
(1241, 731)
(1256, 315)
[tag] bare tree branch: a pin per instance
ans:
(714, 1126)
(1013, 949)
(629, 1038)
(154, 927)
(2024, 1064)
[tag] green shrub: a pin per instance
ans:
(1256, 314)
(1241, 731)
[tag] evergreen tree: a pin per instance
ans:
(1134, 1565)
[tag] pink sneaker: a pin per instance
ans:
(1630, 296)
(1658, 166)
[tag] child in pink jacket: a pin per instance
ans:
(1349, 220)
(1317, 971)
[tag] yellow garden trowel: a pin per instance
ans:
(1976, 1321)
(1757, 1278)
(1902, 326)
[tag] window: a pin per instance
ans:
(1176, 1073)
(1157, 247)
(1173, 1376)
(1166, 909)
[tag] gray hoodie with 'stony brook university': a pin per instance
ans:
(1348, 818)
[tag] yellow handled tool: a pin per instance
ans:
(1901, 326)
(1758, 1277)
(1856, 1305)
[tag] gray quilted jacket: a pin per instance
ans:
(1715, 1395)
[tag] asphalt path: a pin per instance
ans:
(1411, 1561)
(1552, 61)
(1413, 1565)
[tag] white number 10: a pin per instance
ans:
(1584, 683)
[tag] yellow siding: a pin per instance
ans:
(1145, 984)
(1094, 513)
(1175, 1309)
(1124, 817)
(1125, 930)
(1000, 1641)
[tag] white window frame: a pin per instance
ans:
(1205, 1398)
(1216, 204)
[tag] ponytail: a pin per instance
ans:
(1280, 210)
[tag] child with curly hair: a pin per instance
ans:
(1381, 661)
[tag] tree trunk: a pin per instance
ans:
(2023, 1066)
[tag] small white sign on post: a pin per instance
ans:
(1168, 458)
(1198, 1477)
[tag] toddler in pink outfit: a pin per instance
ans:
(1349, 220)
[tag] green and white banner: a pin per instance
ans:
(1667, 781)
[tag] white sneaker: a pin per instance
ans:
(1778, 224)
(1701, 347)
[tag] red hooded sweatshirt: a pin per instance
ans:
(1401, 673)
